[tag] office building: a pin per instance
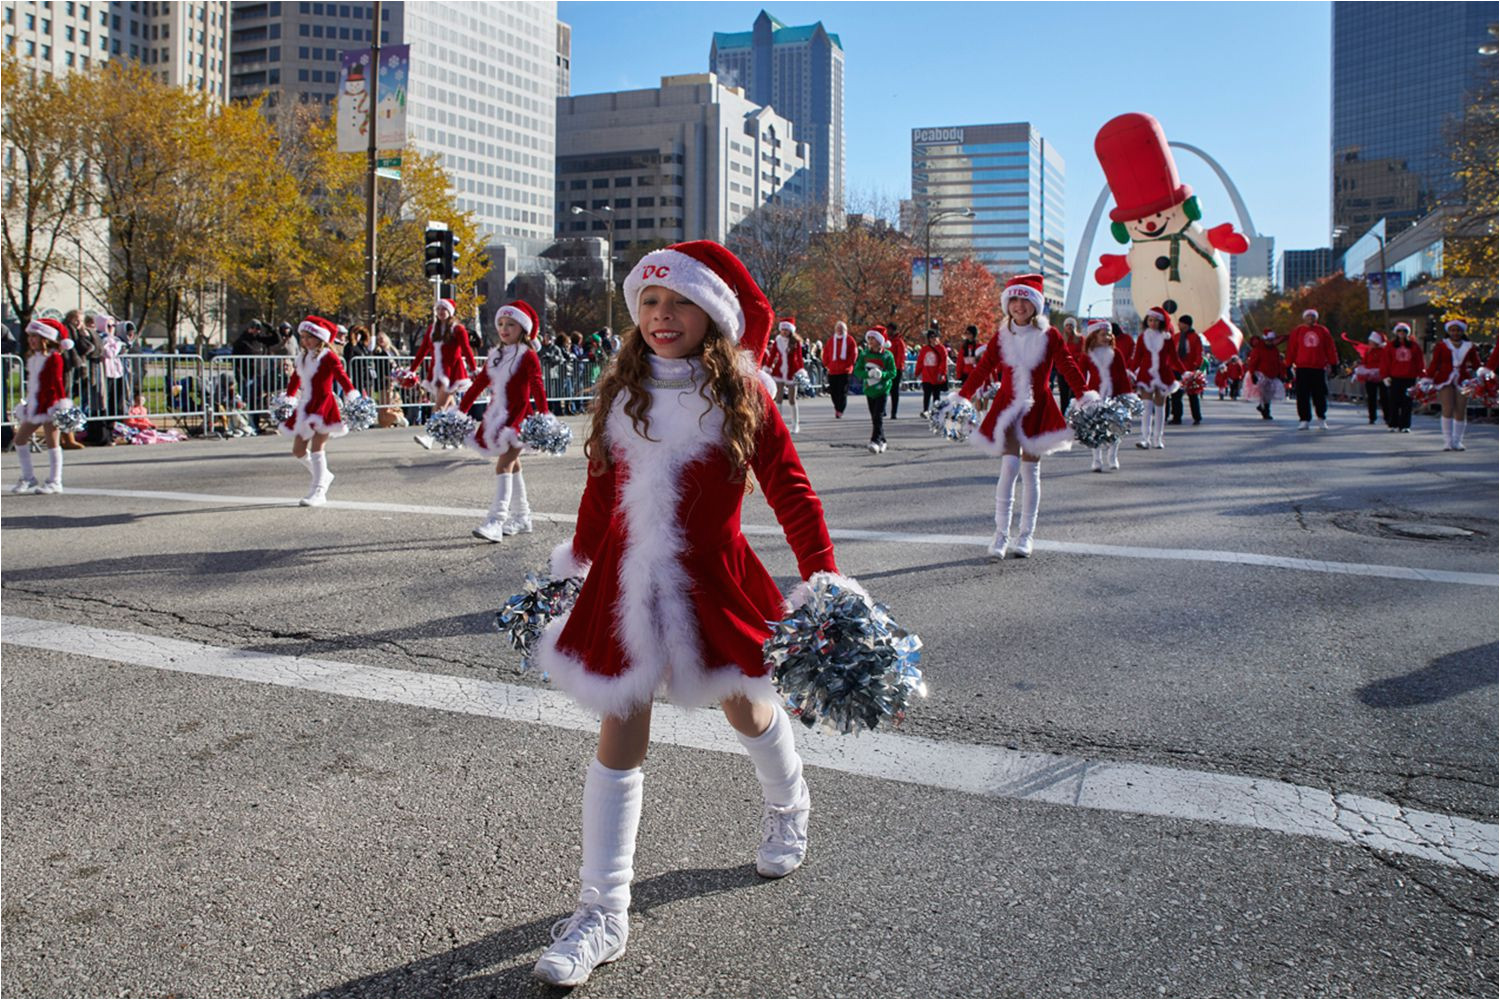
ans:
(798, 71)
(291, 50)
(1401, 73)
(688, 160)
(1011, 179)
(1252, 275)
(1303, 267)
(564, 59)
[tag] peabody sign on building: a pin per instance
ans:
(927, 136)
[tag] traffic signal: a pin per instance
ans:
(455, 245)
(437, 252)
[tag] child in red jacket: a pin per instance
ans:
(1400, 367)
(932, 370)
(1312, 354)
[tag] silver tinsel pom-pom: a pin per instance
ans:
(803, 382)
(1098, 423)
(954, 419)
(1134, 405)
(282, 406)
(70, 419)
(841, 662)
(525, 616)
(360, 413)
(545, 433)
(450, 428)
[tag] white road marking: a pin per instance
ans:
(1198, 796)
(857, 535)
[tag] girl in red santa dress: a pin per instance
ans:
(1453, 360)
(316, 416)
(1157, 368)
(1267, 370)
(784, 361)
(1023, 423)
(673, 599)
(1105, 372)
(46, 339)
(513, 374)
(444, 361)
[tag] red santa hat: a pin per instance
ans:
(522, 313)
(1309, 312)
(879, 333)
(1400, 328)
(716, 281)
(788, 324)
(1028, 287)
(50, 329)
(324, 329)
(1138, 166)
(1457, 324)
(1376, 337)
(447, 304)
(1096, 325)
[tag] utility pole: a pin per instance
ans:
(370, 179)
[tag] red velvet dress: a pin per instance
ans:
(317, 411)
(514, 377)
(1157, 365)
(1451, 365)
(45, 391)
(1023, 361)
(449, 369)
(1104, 371)
(783, 362)
(675, 600)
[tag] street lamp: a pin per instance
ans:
(1089, 314)
(609, 254)
(947, 213)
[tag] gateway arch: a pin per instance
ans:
(1077, 277)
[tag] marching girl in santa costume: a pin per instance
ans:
(784, 361)
(513, 374)
(1105, 372)
(444, 361)
(1400, 368)
(673, 599)
(46, 339)
(1157, 368)
(316, 416)
(838, 358)
(1267, 369)
(1023, 423)
(1453, 360)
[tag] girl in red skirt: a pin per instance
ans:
(45, 396)
(1104, 372)
(316, 417)
(443, 362)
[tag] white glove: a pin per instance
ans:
(1089, 398)
(352, 394)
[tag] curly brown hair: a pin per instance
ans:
(732, 385)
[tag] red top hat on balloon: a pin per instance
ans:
(1138, 166)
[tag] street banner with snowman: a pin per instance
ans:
(1174, 263)
(355, 89)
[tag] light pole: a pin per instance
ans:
(947, 213)
(609, 256)
(1090, 313)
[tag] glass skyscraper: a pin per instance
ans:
(1011, 179)
(1401, 73)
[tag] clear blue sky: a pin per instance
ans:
(1247, 82)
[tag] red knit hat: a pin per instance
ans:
(716, 281)
(1138, 166)
(1028, 287)
(324, 329)
(522, 313)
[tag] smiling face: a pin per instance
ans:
(1455, 334)
(1020, 310)
(1156, 223)
(671, 323)
(509, 330)
(309, 342)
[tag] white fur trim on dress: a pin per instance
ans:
(1160, 337)
(512, 312)
(306, 425)
(564, 562)
(1103, 358)
(502, 368)
(1021, 352)
(768, 381)
(440, 381)
(1457, 354)
(690, 277)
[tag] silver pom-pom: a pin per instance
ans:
(525, 616)
(1098, 422)
(450, 428)
(1134, 405)
(545, 433)
(841, 662)
(70, 419)
(282, 407)
(803, 383)
(954, 419)
(360, 413)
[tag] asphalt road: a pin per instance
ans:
(167, 833)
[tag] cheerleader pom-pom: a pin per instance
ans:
(70, 419)
(360, 413)
(545, 433)
(525, 616)
(954, 418)
(1133, 404)
(282, 407)
(985, 396)
(404, 378)
(803, 382)
(841, 662)
(1193, 383)
(1097, 423)
(1424, 393)
(450, 428)
(1481, 387)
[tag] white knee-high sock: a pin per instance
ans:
(777, 764)
(504, 487)
(520, 506)
(318, 464)
(1148, 422)
(23, 456)
(1447, 424)
(1114, 452)
(54, 465)
(1005, 493)
(1031, 497)
(611, 817)
(1459, 426)
(796, 416)
(1099, 456)
(1161, 422)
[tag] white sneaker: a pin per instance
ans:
(423, 440)
(1143, 444)
(1302, 425)
(883, 446)
(591, 937)
(873, 447)
(50, 486)
(517, 525)
(1023, 547)
(1160, 444)
(316, 498)
(490, 531)
(26, 486)
(784, 832)
(1096, 465)
(1322, 425)
(997, 548)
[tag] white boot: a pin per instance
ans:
(1447, 425)
(787, 803)
(28, 483)
(1005, 503)
(1459, 426)
(796, 413)
(54, 472)
(519, 521)
(493, 528)
(1031, 499)
(1098, 465)
(597, 931)
(1148, 422)
(1114, 455)
(318, 466)
(1161, 428)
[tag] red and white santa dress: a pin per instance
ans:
(316, 411)
(1023, 408)
(1105, 372)
(1158, 371)
(513, 375)
(46, 396)
(784, 360)
(445, 367)
(838, 358)
(1451, 363)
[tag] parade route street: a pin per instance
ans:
(1231, 730)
